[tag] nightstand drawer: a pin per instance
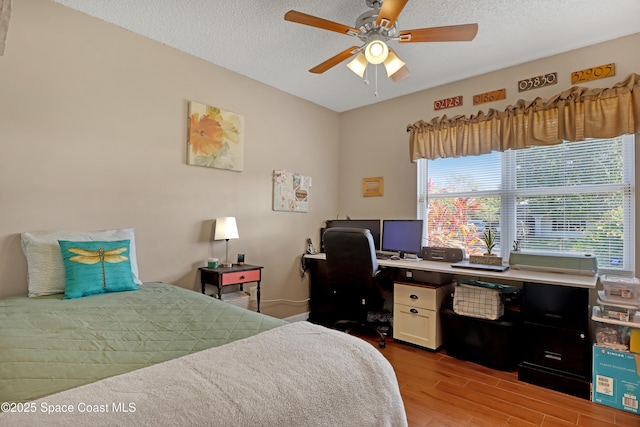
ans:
(416, 296)
(240, 277)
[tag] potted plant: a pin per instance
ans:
(489, 239)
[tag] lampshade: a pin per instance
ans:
(392, 64)
(376, 52)
(401, 74)
(359, 64)
(226, 228)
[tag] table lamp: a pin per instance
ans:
(226, 229)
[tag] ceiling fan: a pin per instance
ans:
(375, 28)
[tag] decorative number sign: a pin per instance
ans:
(593, 73)
(494, 95)
(441, 104)
(536, 82)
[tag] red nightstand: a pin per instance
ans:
(234, 275)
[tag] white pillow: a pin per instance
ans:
(46, 274)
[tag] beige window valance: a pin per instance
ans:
(572, 115)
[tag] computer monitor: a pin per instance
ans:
(373, 225)
(402, 235)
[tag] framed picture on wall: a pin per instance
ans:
(216, 138)
(373, 187)
(291, 191)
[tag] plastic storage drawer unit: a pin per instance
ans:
(621, 288)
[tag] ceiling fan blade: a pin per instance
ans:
(335, 60)
(452, 33)
(314, 21)
(389, 12)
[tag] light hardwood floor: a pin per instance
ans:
(439, 390)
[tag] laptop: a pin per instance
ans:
(485, 267)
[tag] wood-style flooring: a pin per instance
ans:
(439, 390)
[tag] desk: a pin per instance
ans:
(570, 280)
(555, 317)
(234, 275)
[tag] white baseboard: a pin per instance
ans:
(297, 318)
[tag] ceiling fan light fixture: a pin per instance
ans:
(374, 28)
(376, 52)
(358, 65)
(392, 64)
(401, 74)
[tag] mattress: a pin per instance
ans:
(48, 344)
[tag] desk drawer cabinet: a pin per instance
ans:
(417, 296)
(416, 313)
(562, 350)
(556, 347)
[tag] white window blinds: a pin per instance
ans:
(571, 197)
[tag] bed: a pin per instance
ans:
(159, 354)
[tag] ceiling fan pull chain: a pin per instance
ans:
(376, 92)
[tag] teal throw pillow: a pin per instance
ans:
(96, 267)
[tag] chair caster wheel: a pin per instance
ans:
(382, 345)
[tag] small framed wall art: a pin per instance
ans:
(373, 187)
(291, 191)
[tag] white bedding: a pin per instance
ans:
(298, 374)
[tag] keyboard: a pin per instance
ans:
(486, 267)
(385, 255)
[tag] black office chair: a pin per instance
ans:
(352, 268)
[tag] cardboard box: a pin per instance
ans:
(616, 379)
(634, 342)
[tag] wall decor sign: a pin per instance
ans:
(494, 95)
(537, 82)
(216, 137)
(441, 104)
(290, 191)
(373, 187)
(593, 73)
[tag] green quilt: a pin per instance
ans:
(48, 344)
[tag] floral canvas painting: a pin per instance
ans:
(215, 137)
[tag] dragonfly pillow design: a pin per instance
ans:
(96, 267)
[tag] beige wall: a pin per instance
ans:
(93, 131)
(374, 142)
(93, 135)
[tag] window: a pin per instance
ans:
(573, 197)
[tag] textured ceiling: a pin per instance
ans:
(253, 39)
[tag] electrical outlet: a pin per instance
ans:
(253, 293)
